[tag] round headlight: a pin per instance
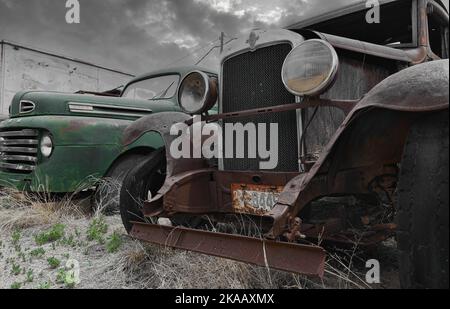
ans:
(310, 68)
(198, 93)
(46, 145)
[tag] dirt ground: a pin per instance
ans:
(37, 240)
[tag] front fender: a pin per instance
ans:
(371, 138)
(381, 121)
(162, 124)
(421, 88)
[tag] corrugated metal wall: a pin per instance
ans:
(23, 68)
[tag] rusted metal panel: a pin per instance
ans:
(29, 69)
(301, 259)
(363, 72)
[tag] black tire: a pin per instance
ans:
(107, 195)
(148, 175)
(423, 199)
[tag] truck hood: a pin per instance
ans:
(37, 103)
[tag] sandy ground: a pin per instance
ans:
(108, 262)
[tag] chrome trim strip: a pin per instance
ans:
(22, 133)
(113, 114)
(18, 158)
(9, 142)
(17, 167)
(18, 149)
(87, 108)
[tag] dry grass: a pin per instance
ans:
(21, 211)
(136, 265)
(161, 268)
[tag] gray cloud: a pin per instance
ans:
(133, 35)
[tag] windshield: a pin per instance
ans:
(163, 87)
(396, 27)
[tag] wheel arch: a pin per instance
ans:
(141, 150)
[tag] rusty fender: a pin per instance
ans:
(370, 142)
(162, 123)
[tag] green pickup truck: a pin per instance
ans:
(63, 143)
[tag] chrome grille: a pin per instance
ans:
(18, 150)
(253, 80)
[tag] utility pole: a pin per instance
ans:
(222, 39)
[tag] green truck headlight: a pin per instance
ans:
(46, 145)
(197, 93)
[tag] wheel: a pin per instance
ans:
(142, 181)
(423, 199)
(107, 195)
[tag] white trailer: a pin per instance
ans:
(25, 68)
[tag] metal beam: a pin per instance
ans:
(301, 259)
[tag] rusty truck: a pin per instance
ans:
(362, 113)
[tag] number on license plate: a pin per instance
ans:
(255, 199)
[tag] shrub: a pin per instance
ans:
(53, 262)
(114, 243)
(37, 253)
(97, 230)
(52, 235)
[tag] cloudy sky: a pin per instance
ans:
(141, 35)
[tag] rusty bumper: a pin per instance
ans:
(301, 259)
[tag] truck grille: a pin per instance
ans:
(253, 80)
(18, 151)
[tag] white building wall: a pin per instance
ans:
(22, 68)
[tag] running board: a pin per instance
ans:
(300, 259)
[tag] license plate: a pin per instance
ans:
(255, 199)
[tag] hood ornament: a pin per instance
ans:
(252, 40)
